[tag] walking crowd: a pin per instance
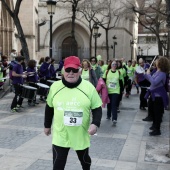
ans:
(76, 91)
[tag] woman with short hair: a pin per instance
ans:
(158, 98)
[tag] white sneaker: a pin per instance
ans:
(114, 122)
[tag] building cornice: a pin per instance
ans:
(26, 36)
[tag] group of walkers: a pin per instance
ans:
(83, 88)
(71, 100)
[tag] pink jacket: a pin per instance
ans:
(102, 90)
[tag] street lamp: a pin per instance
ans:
(164, 43)
(96, 35)
(148, 50)
(140, 51)
(114, 45)
(131, 44)
(51, 5)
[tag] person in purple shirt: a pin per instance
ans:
(52, 70)
(158, 98)
(44, 73)
(61, 63)
(141, 81)
(32, 79)
(17, 81)
(45, 70)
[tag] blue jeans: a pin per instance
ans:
(112, 106)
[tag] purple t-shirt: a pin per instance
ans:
(44, 71)
(19, 70)
(157, 79)
(33, 78)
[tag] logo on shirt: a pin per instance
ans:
(71, 104)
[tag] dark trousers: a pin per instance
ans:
(43, 81)
(121, 92)
(32, 85)
(155, 110)
(112, 106)
(143, 101)
(129, 86)
(60, 157)
(145, 83)
(17, 100)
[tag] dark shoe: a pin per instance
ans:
(137, 91)
(31, 104)
(152, 128)
(155, 133)
(108, 118)
(142, 108)
(148, 119)
(118, 111)
(127, 95)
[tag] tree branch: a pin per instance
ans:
(8, 8)
(17, 7)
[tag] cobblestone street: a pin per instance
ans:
(128, 146)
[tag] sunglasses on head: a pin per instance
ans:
(68, 70)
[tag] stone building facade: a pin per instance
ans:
(125, 31)
(34, 12)
(28, 15)
(6, 29)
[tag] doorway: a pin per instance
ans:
(67, 47)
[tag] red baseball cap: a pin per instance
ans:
(72, 61)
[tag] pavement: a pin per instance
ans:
(128, 146)
(6, 88)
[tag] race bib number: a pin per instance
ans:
(112, 85)
(73, 118)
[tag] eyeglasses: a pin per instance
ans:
(68, 70)
(114, 64)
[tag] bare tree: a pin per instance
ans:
(74, 4)
(152, 16)
(108, 17)
(89, 11)
(14, 15)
